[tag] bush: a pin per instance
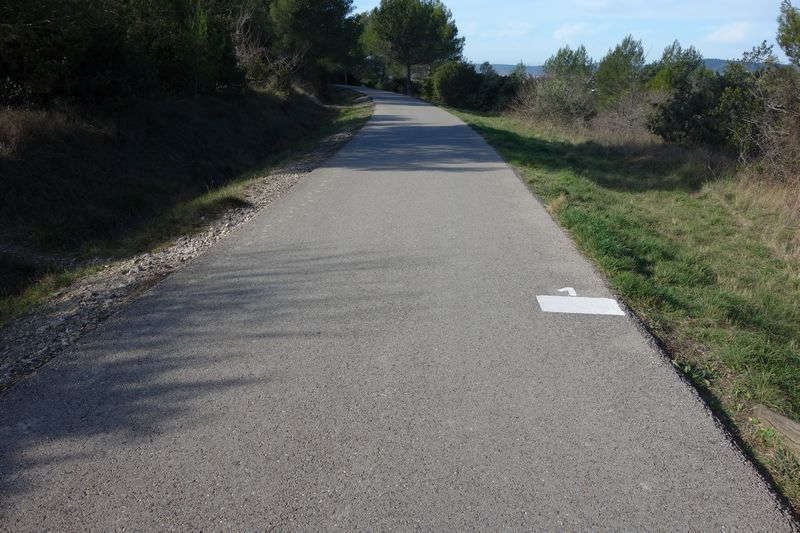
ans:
(769, 130)
(566, 91)
(13, 94)
(565, 98)
(676, 67)
(495, 91)
(456, 84)
(689, 116)
(619, 71)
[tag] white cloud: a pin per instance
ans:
(733, 33)
(566, 32)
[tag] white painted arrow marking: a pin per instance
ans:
(581, 306)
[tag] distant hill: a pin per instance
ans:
(717, 65)
(505, 70)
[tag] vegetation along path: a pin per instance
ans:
(370, 353)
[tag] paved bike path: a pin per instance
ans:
(369, 353)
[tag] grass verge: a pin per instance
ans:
(116, 183)
(709, 271)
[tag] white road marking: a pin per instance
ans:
(579, 305)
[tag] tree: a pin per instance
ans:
(565, 91)
(316, 30)
(414, 32)
(487, 69)
(676, 67)
(619, 70)
(789, 31)
(456, 83)
(519, 74)
(568, 62)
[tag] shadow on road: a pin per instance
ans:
(173, 358)
(390, 145)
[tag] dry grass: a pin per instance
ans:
(21, 127)
(773, 208)
(622, 131)
(765, 192)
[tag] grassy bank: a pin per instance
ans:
(111, 183)
(711, 270)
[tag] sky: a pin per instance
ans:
(509, 31)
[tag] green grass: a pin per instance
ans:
(701, 273)
(149, 174)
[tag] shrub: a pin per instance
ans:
(100, 49)
(566, 91)
(565, 98)
(456, 84)
(675, 68)
(569, 62)
(495, 91)
(771, 126)
(688, 115)
(619, 71)
(13, 94)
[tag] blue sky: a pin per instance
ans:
(507, 31)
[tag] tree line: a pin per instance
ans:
(95, 50)
(751, 108)
(98, 49)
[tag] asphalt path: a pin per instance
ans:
(369, 353)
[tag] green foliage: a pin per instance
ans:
(519, 74)
(568, 62)
(566, 92)
(676, 67)
(456, 84)
(619, 71)
(99, 49)
(737, 110)
(689, 115)
(789, 31)
(564, 98)
(413, 32)
(495, 91)
(753, 112)
(102, 48)
(318, 31)
(487, 69)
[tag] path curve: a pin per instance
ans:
(369, 354)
